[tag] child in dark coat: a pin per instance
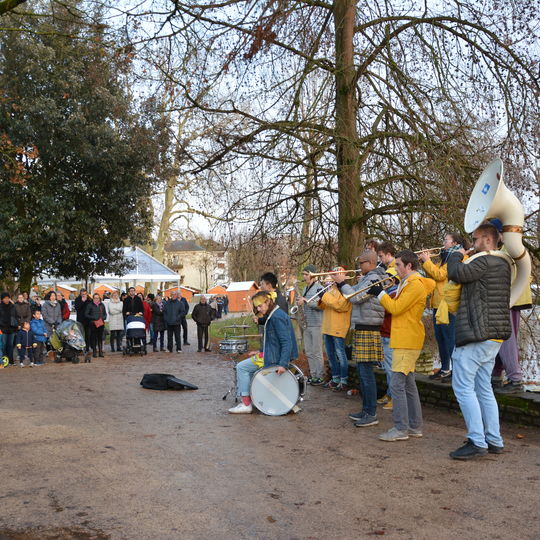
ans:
(25, 344)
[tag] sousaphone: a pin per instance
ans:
(492, 199)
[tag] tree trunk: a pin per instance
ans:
(164, 224)
(8, 5)
(26, 275)
(350, 191)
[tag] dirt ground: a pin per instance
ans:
(87, 453)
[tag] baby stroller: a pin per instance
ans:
(68, 342)
(135, 336)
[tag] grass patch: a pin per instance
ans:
(217, 329)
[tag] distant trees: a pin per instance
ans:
(78, 180)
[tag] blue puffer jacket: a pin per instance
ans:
(39, 330)
(279, 346)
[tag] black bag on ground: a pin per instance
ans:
(165, 381)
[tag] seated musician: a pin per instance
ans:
(279, 347)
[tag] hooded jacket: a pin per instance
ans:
(407, 308)
(336, 315)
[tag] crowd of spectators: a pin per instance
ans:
(28, 322)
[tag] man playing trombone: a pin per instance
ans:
(366, 320)
(313, 321)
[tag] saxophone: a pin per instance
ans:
(298, 312)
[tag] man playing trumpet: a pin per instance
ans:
(335, 325)
(312, 331)
(366, 320)
(406, 340)
(444, 333)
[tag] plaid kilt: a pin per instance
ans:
(367, 346)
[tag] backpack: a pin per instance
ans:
(165, 381)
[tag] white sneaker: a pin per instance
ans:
(21, 364)
(241, 409)
(31, 364)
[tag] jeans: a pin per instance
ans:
(337, 357)
(387, 363)
(508, 357)
(244, 372)
(22, 353)
(161, 335)
(471, 381)
(368, 387)
(8, 344)
(406, 410)
(313, 348)
(445, 335)
(173, 330)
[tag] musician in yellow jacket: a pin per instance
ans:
(444, 333)
(335, 325)
(406, 339)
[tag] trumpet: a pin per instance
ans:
(351, 274)
(434, 252)
(390, 280)
(294, 309)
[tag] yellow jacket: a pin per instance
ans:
(336, 313)
(439, 273)
(407, 309)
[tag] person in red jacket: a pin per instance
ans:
(147, 313)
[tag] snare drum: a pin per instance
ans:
(232, 346)
(275, 394)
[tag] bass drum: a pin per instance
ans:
(276, 395)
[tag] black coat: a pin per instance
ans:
(185, 304)
(132, 305)
(158, 320)
(94, 312)
(203, 314)
(173, 312)
(80, 308)
(8, 318)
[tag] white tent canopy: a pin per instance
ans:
(145, 269)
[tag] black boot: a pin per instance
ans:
(101, 355)
(94, 353)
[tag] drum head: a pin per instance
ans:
(274, 394)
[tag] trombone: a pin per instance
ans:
(390, 280)
(434, 252)
(351, 274)
(294, 309)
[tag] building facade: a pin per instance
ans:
(198, 267)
